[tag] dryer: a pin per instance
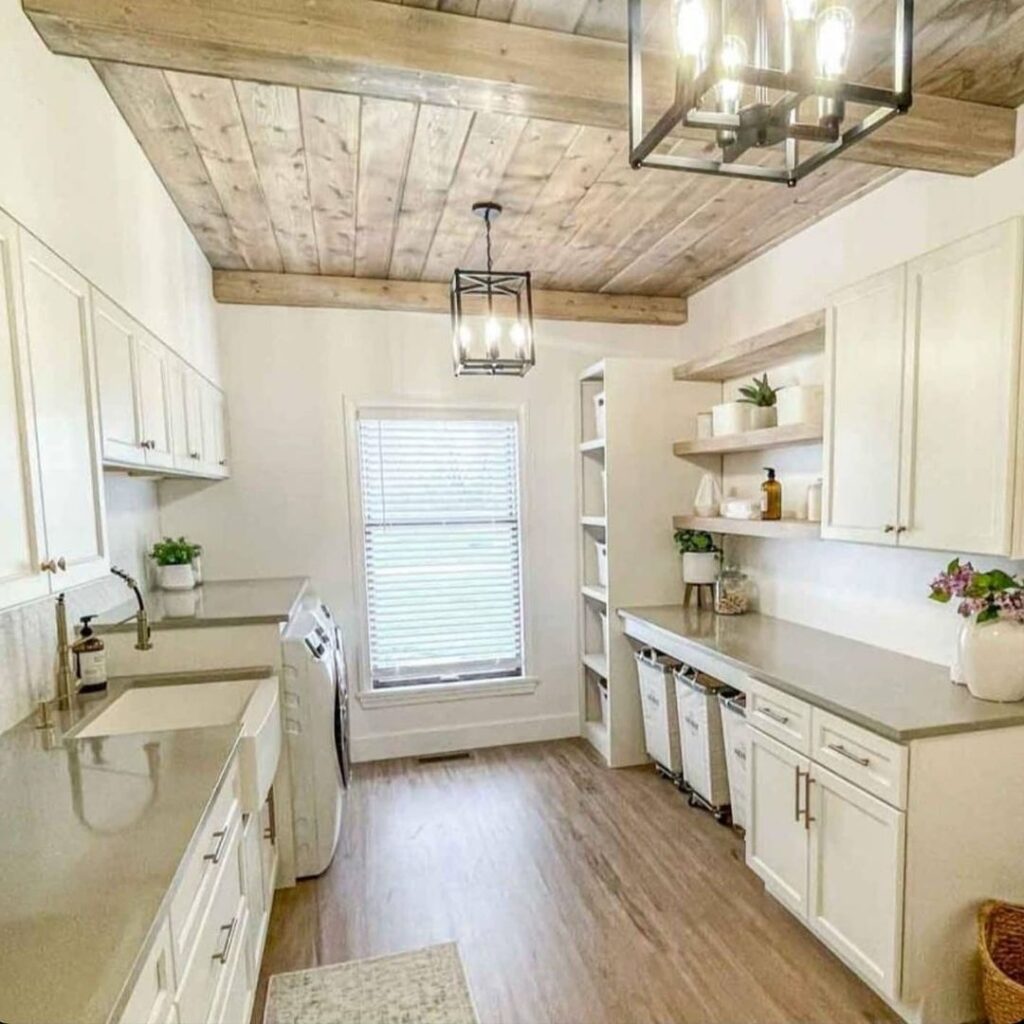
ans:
(315, 688)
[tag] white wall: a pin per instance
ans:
(288, 374)
(873, 594)
(72, 172)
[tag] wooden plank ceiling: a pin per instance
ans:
(298, 180)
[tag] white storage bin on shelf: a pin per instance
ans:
(701, 740)
(737, 744)
(600, 420)
(658, 698)
(601, 552)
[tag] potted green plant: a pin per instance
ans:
(174, 563)
(761, 396)
(990, 646)
(700, 555)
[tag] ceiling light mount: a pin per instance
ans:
(746, 104)
(492, 315)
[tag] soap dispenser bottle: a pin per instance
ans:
(771, 496)
(90, 658)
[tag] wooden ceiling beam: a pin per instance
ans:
(251, 288)
(399, 52)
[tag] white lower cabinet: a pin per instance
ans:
(203, 966)
(829, 850)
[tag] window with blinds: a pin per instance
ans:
(440, 499)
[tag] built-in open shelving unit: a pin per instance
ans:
(629, 486)
(771, 349)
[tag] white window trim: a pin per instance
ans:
(365, 693)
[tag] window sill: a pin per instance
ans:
(441, 692)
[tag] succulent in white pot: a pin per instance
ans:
(761, 398)
(990, 645)
(174, 563)
(700, 555)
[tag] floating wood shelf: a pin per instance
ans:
(797, 338)
(597, 522)
(595, 447)
(595, 593)
(779, 529)
(597, 663)
(751, 440)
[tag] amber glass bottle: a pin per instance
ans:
(771, 496)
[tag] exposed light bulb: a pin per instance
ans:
(730, 91)
(691, 28)
(835, 39)
(492, 338)
(465, 340)
(518, 336)
(800, 10)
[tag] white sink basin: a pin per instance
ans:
(252, 702)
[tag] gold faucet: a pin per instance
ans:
(141, 616)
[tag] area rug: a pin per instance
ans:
(424, 986)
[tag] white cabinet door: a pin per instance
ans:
(215, 447)
(152, 380)
(855, 903)
(777, 834)
(194, 419)
(960, 400)
(177, 415)
(114, 334)
(864, 360)
(21, 535)
(59, 333)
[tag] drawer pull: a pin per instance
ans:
(808, 817)
(692, 723)
(839, 749)
(214, 856)
(773, 715)
(796, 796)
(222, 953)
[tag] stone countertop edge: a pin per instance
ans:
(159, 621)
(1000, 716)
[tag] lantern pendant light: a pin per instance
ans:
(492, 315)
(745, 104)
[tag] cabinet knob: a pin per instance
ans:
(149, 445)
(50, 565)
(889, 528)
(223, 462)
(901, 529)
(62, 564)
(193, 455)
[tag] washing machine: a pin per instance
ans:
(315, 691)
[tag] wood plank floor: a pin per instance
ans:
(577, 895)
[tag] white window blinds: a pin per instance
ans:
(441, 546)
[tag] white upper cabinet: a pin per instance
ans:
(114, 335)
(176, 415)
(960, 394)
(193, 386)
(215, 436)
(59, 339)
(151, 362)
(923, 402)
(864, 355)
(21, 536)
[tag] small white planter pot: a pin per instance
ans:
(763, 416)
(175, 577)
(700, 566)
(800, 404)
(992, 660)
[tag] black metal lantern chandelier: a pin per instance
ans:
(492, 315)
(748, 104)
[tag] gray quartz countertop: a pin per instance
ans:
(894, 695)
(215, 603)
(92, 832)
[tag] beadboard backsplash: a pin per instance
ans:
(28, 635)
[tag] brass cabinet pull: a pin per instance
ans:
(222, 953)
(50, 565)
(214, 856)
(843, 752)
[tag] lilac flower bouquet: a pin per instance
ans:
(985, 595)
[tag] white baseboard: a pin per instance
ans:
(417, 742)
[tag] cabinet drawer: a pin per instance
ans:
(152, 999)
(877, 765)
(786, 718)
(192, 896)
(220, 932)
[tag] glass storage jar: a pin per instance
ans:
(732, 592)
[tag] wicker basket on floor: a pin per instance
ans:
(1001, 945)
